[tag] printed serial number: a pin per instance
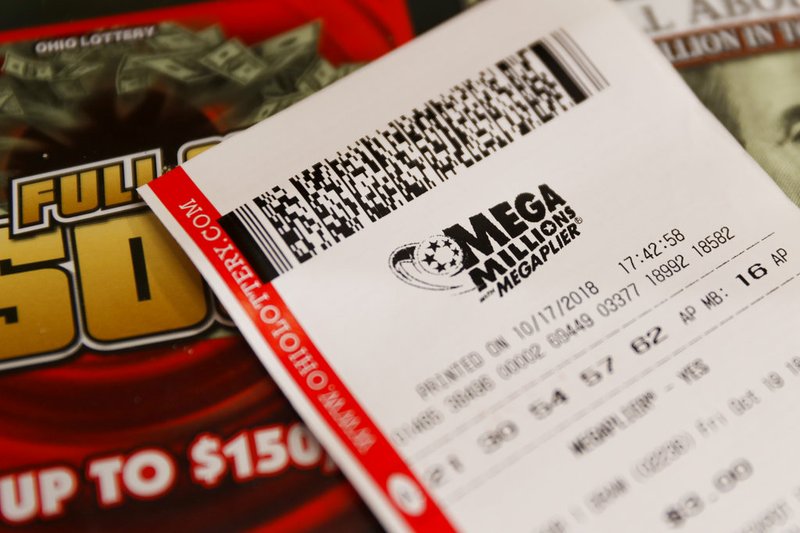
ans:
(711, 242)
(563, 335)
(618, 300)
(666, 270)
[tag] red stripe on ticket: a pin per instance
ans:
(301, 359)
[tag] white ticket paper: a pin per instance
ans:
(516, 278)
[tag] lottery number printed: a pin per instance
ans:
(535, 286)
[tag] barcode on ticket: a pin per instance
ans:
(372, 177)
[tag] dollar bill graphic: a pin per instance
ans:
(272, 87)
(26, 68)
(171, 37)
(78, 70)
(173, 66)
(235, 61)
(752, 89)
(272, 106)
(73, 56)
(317, 75)
(131, 78)
(68, 89)
(267, 77)
(9, 103)
(211, 36)
(291, 50)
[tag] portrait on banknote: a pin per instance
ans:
(742, 60)
(758, 101)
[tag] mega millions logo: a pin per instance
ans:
(496, 251)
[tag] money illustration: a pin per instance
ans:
(233, 60)
(68, 88)
(751, 88)
(9, 104)
(130, 78)
(211, 36)
(291, 50)
(172, 37)
(273, 105)
(26, 68)
(316, 76)
(78, 69)
(260, 80)
(176, 67)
